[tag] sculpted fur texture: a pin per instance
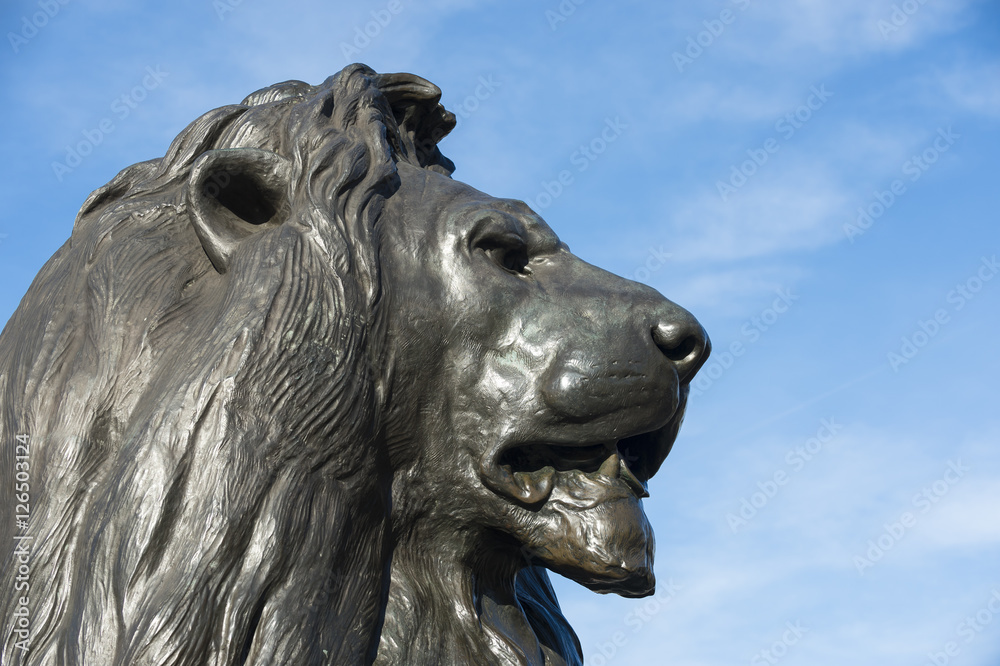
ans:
(296, 396)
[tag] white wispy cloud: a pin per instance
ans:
(796, 211)
(975, 88)
(701, 100)
(958, 523)
(729, 292)
(800, 31)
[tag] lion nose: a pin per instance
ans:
(682, 339)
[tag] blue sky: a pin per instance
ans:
(815, 180)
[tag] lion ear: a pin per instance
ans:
(416, 105)
(235, 193)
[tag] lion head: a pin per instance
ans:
(294, 395)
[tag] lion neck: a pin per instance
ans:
(452, 605)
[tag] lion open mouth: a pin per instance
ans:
(585, 518)
(584, 475)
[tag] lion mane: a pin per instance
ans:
(209, 472)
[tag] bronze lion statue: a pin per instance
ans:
(292, 395)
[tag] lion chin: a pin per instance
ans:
(612, 545)
(593, 494)
(296, 396)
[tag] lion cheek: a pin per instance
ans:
(606, 548)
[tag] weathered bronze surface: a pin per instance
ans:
(292, 395)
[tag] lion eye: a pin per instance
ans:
(512, 257)
(516, 260)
